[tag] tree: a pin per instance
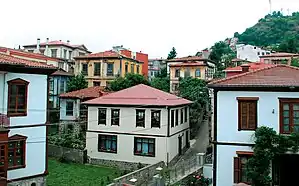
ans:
(161, 83)
(295, 62)
(222, 54)
(290, 45)
(128, 81)
(195, 90)
(76, 83)
(172, 54)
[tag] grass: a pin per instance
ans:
(69, 174)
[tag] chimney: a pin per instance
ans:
(68, 42)
(47, 47)
(37, 44)
(245, 68)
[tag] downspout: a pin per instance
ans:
(168, 134)
(215, 138)
(3, 98)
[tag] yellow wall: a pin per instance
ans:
(192, 71)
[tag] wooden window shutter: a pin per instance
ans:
(237, 171)
(252, 115)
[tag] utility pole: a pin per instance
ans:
(270, 3)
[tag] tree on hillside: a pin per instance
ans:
(128, 81)
(290, 45)
(76, 83)
(172, 54)
(222, 54)
(195, 90)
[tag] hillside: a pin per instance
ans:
(274, 30)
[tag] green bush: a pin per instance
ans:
(68, 139)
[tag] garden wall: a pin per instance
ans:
(74, 155)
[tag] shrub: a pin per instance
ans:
(68, 139)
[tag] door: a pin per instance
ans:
(187, 139)
(180, 145)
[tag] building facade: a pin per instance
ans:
(279, 58)
(265, 97)
(101, 68)
(155, 66)
(23, 118)
(250, 52)
(201, 69)
(58, 49)
(137, 125)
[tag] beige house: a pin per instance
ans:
(103, 67)
(278, 58)
(140, 124)
(195, 67)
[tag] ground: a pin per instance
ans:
(69, 174)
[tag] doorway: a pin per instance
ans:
(187, 139)
(180, 145)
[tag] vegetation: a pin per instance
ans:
(62, 174)
(275, 30)
(162, 81)
(76, 83)
(295, 62)
(268, 145)
(128, 81)
(68, 139)
(172, 54)
(195, 90)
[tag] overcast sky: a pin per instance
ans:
(150, 26)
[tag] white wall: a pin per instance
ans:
(180, 126)
(76, 109)
(250, 53)
(227, 111)
(173, 144)
(225, 163)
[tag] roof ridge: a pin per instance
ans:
(26, 60)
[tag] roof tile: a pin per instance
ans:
(91, 92)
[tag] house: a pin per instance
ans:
(101, 68)
(58, 85)
(140, 124)
(279, 58)
(59, 49)
(155, 66)
(264, 97)
(232, 71)
(250, 52)
(71, 110)
(23, 118)
(200, 68)
(237, 62)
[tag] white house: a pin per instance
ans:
(137, 125)
(250, 53)
(23, 118)
(265, 97)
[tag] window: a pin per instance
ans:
(84, 69)
(115, 116)
(197, 73)
(31, 51)
(16, 151)
(2, 157)
(53, 52)
(155, 118)
(186, 114)
(51, 86)
(61, 65)
(140, 118)
(144, 146)
(258, 53)
(176, 117)
(187, 72)
(70, 54)
(62, 85)
(102, 116)
(182, 116)
(289, 115)
(132, 68)
(263, 53)
(177, 73)
(69, 108)
(209, 73)
(96, 83)
(126, 68)
(64, 54)
(175, 86)
(97, 69)
(172, 118)
(109, 69)
(247, 113)
(17, 97)
(107, 143)
(254, 47)
(137, 69)
(81, 54)
(241, 167)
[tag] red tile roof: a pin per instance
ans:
(91, 92)
(27, 54)
(273, 76)
(238, 60)
(188, 58)
(10, 60)
(61, 72)
(279, 54)
(252, 66)
(106, 54)
(188, 64)
(139, 95)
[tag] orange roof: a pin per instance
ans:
(10, 60)
(91, 92)
(188, 58)
(188, 64)
(273, 76)
(279, 54)
(252, 66)
(139, 95)
(61, 72)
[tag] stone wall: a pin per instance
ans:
(122, 165)
(38, 181)
(74, 155)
